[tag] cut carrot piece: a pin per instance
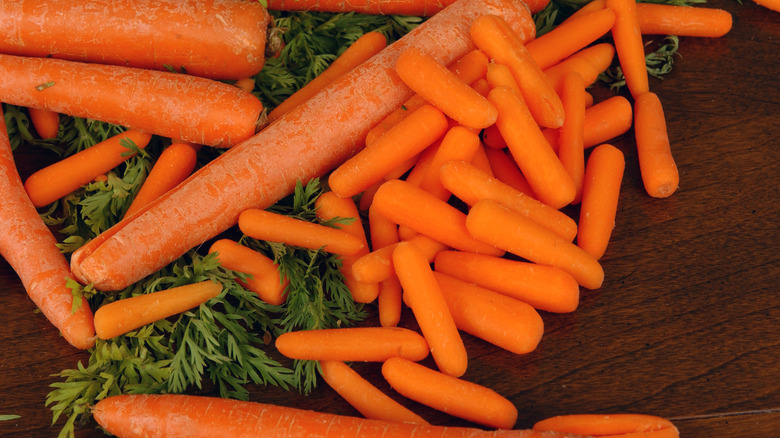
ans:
(601, 189)
(505, 170)
(629, 46)
(366, 344)
(46, 123)
(588, 62)
(265, 281)
(661, 19)
(656, 163)
(570, 36)
(571, 135)
(458, 144)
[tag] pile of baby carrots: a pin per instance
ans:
(474, 136)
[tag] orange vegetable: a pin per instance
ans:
(505, 170)
(368, 344)
(571, 150)
(398, 7)
(603, 122)
(265, 281)
(660, 19)
(377, 265)
(610, 425)
(458, 144)
(656, 163)
(588, 62)
(389, 303)
(46, 123)
(629, 46)
(600, 193)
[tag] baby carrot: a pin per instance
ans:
(424, 296)
(158, 102)
(382, 230)
(544, 287)
(505, 170)
(491, 137)
(377, 265)
(629, 46)
(588, 62)
(246, 84)
(29, 247)
(773, 5)
(417, 209)
(450, 394)
(121, 316)
(46, 123)
(570, 136)
(607, 424)
(384, 233)
(439, 86)
(458, 144)
(569, 37)
(265, 280)
(491, 35)
(420, 168)
(363, 396)
(600, 193)
(501, 320)
(481, 160)
(366, 344)
(366, 46)
(656, 163)
(274, 227)
(471, 185)
(140, 415)
(330, 206)
(547, 177)
(661, 19)
(174, 165)
(495, 224)
(404, 140)
(499, 75)
(69, 174)
(603, 122)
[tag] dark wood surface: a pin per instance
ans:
(687, 323)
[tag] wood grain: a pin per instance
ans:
(686, 324)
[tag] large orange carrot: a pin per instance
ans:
(450, 394)
(471, 185)
(265, 280)
(368, 344)
(549, 180)
(660, 19)
(495, 224)
(570, 36)
(176, 34)
(503, 321)
(603, 122)
(136, 416)
(424, 296)
(656, 163)
(588, 62)
(612, 425)
(185, 107)
(421, 8)
(275, 227)
(436, 84)
(46, 123)
(571, 135)
(121, 316)
(173, 166)
(28, 245)
(309, 141)
(68, 175)
(544, 287)
(600, 193)
(629, 46)
(368, 45)
(363, 396)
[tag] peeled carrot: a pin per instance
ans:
(420, 168)
(600, 193)
(495, 224)
(442, 88)
(121, 316)
(773, 5)
(471, 185)
(367, 344)
(571, 149)
(569, 37)
(265, 280)
(231, 47)
(588, 62)
(424, 296)
(274, 227)
(366, 46)
(168, 104)
(505, 169)
(28, 245)
(603, 122)
(174, 165)
(69, 174)
(492, 138)
(458, 144)
(377, 265)
(547, 177)
(297, 147)
(389, 303)
(46, 123)
(503, 321)
(660, 19)
(656, 163)
(629, 46)
(363, 396)
(141, 415)
(500, 75)
(490, 34)
(608, 425)
(457, 397)
(246, 84)
(544, 287)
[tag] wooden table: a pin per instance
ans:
(686, 324)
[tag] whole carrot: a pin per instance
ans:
(363, 396)
(28, 245)
(656, 163)
(493, 223)
(363, 48)
(174, 165)
(69, 174)
(121, 316)
(613, 425)
(369, 344)
(143, 415)
(265, 280)
(309, 141)
(175, 34)
(629, 46)
(184, 107)
(455, 396)
(46, 123)
(600, 193)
